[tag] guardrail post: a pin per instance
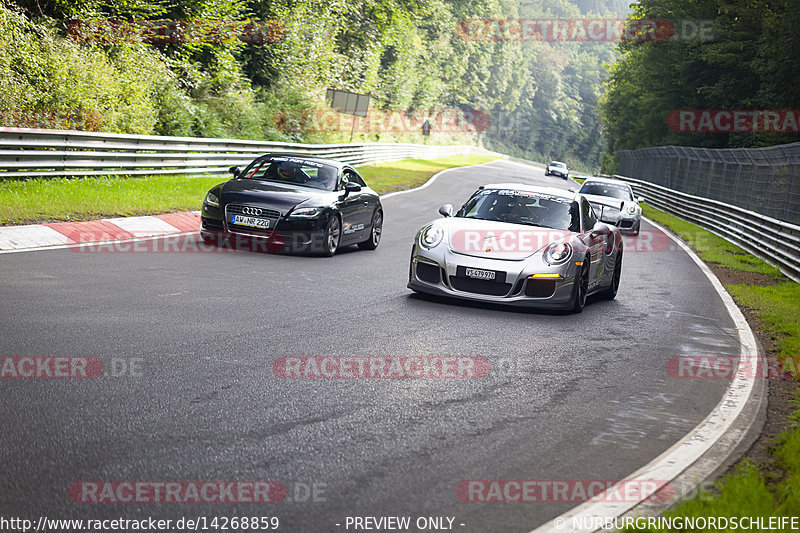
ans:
(788, 204)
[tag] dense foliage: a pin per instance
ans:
(750, 61)
(542, 97)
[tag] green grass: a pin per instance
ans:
(53, 199)
(36, 200)
(778, 308)
(751, 490)
(711, 248)
(409, 173)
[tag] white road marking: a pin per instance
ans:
(670, 464)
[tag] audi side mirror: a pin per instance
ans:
(351, 187)
(446, 210)
(235, 171)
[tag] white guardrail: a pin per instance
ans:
(775, 241)
(35, 153)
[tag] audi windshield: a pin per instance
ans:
(292, 171)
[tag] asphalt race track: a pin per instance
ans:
(569, 397)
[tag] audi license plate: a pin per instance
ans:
(253, 222)
(480, 274)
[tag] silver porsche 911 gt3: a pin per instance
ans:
(519, 245)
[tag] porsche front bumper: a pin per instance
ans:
(442, 272)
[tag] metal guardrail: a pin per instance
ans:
(28, 152)
(775, 241)
(765, 180)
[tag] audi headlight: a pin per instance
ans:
(306, 212)
(212, 200)
(557, 253)
(631, 210)
(431, 236)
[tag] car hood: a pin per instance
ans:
(498, 240)
(277, 196)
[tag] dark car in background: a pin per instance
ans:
(295, 204)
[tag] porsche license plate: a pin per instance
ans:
(477, 273)
(253, 222)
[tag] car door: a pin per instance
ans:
(353, 208)
(370, 198)
(594, 238)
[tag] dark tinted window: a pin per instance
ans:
(589, 218)
(522, 207)
(350, 176)
(606, 189)
(293, 171)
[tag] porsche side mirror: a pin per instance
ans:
(235, 171)
(446, 210)
(602, 218)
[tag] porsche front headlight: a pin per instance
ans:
(557, 253)
(431, 236)
(631, 210)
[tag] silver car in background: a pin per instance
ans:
(557, 168)
(519, 245)
(614, 202)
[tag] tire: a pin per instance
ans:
(374, 233)
(611, 292)
(581, 290)
(333, 234)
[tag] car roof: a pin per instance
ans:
(557, 163)
(554, 191)
(330, 162)
(612, 181)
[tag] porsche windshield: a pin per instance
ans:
(292, 171)
(606, 189)
(522, 207)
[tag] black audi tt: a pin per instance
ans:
(296, 204)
